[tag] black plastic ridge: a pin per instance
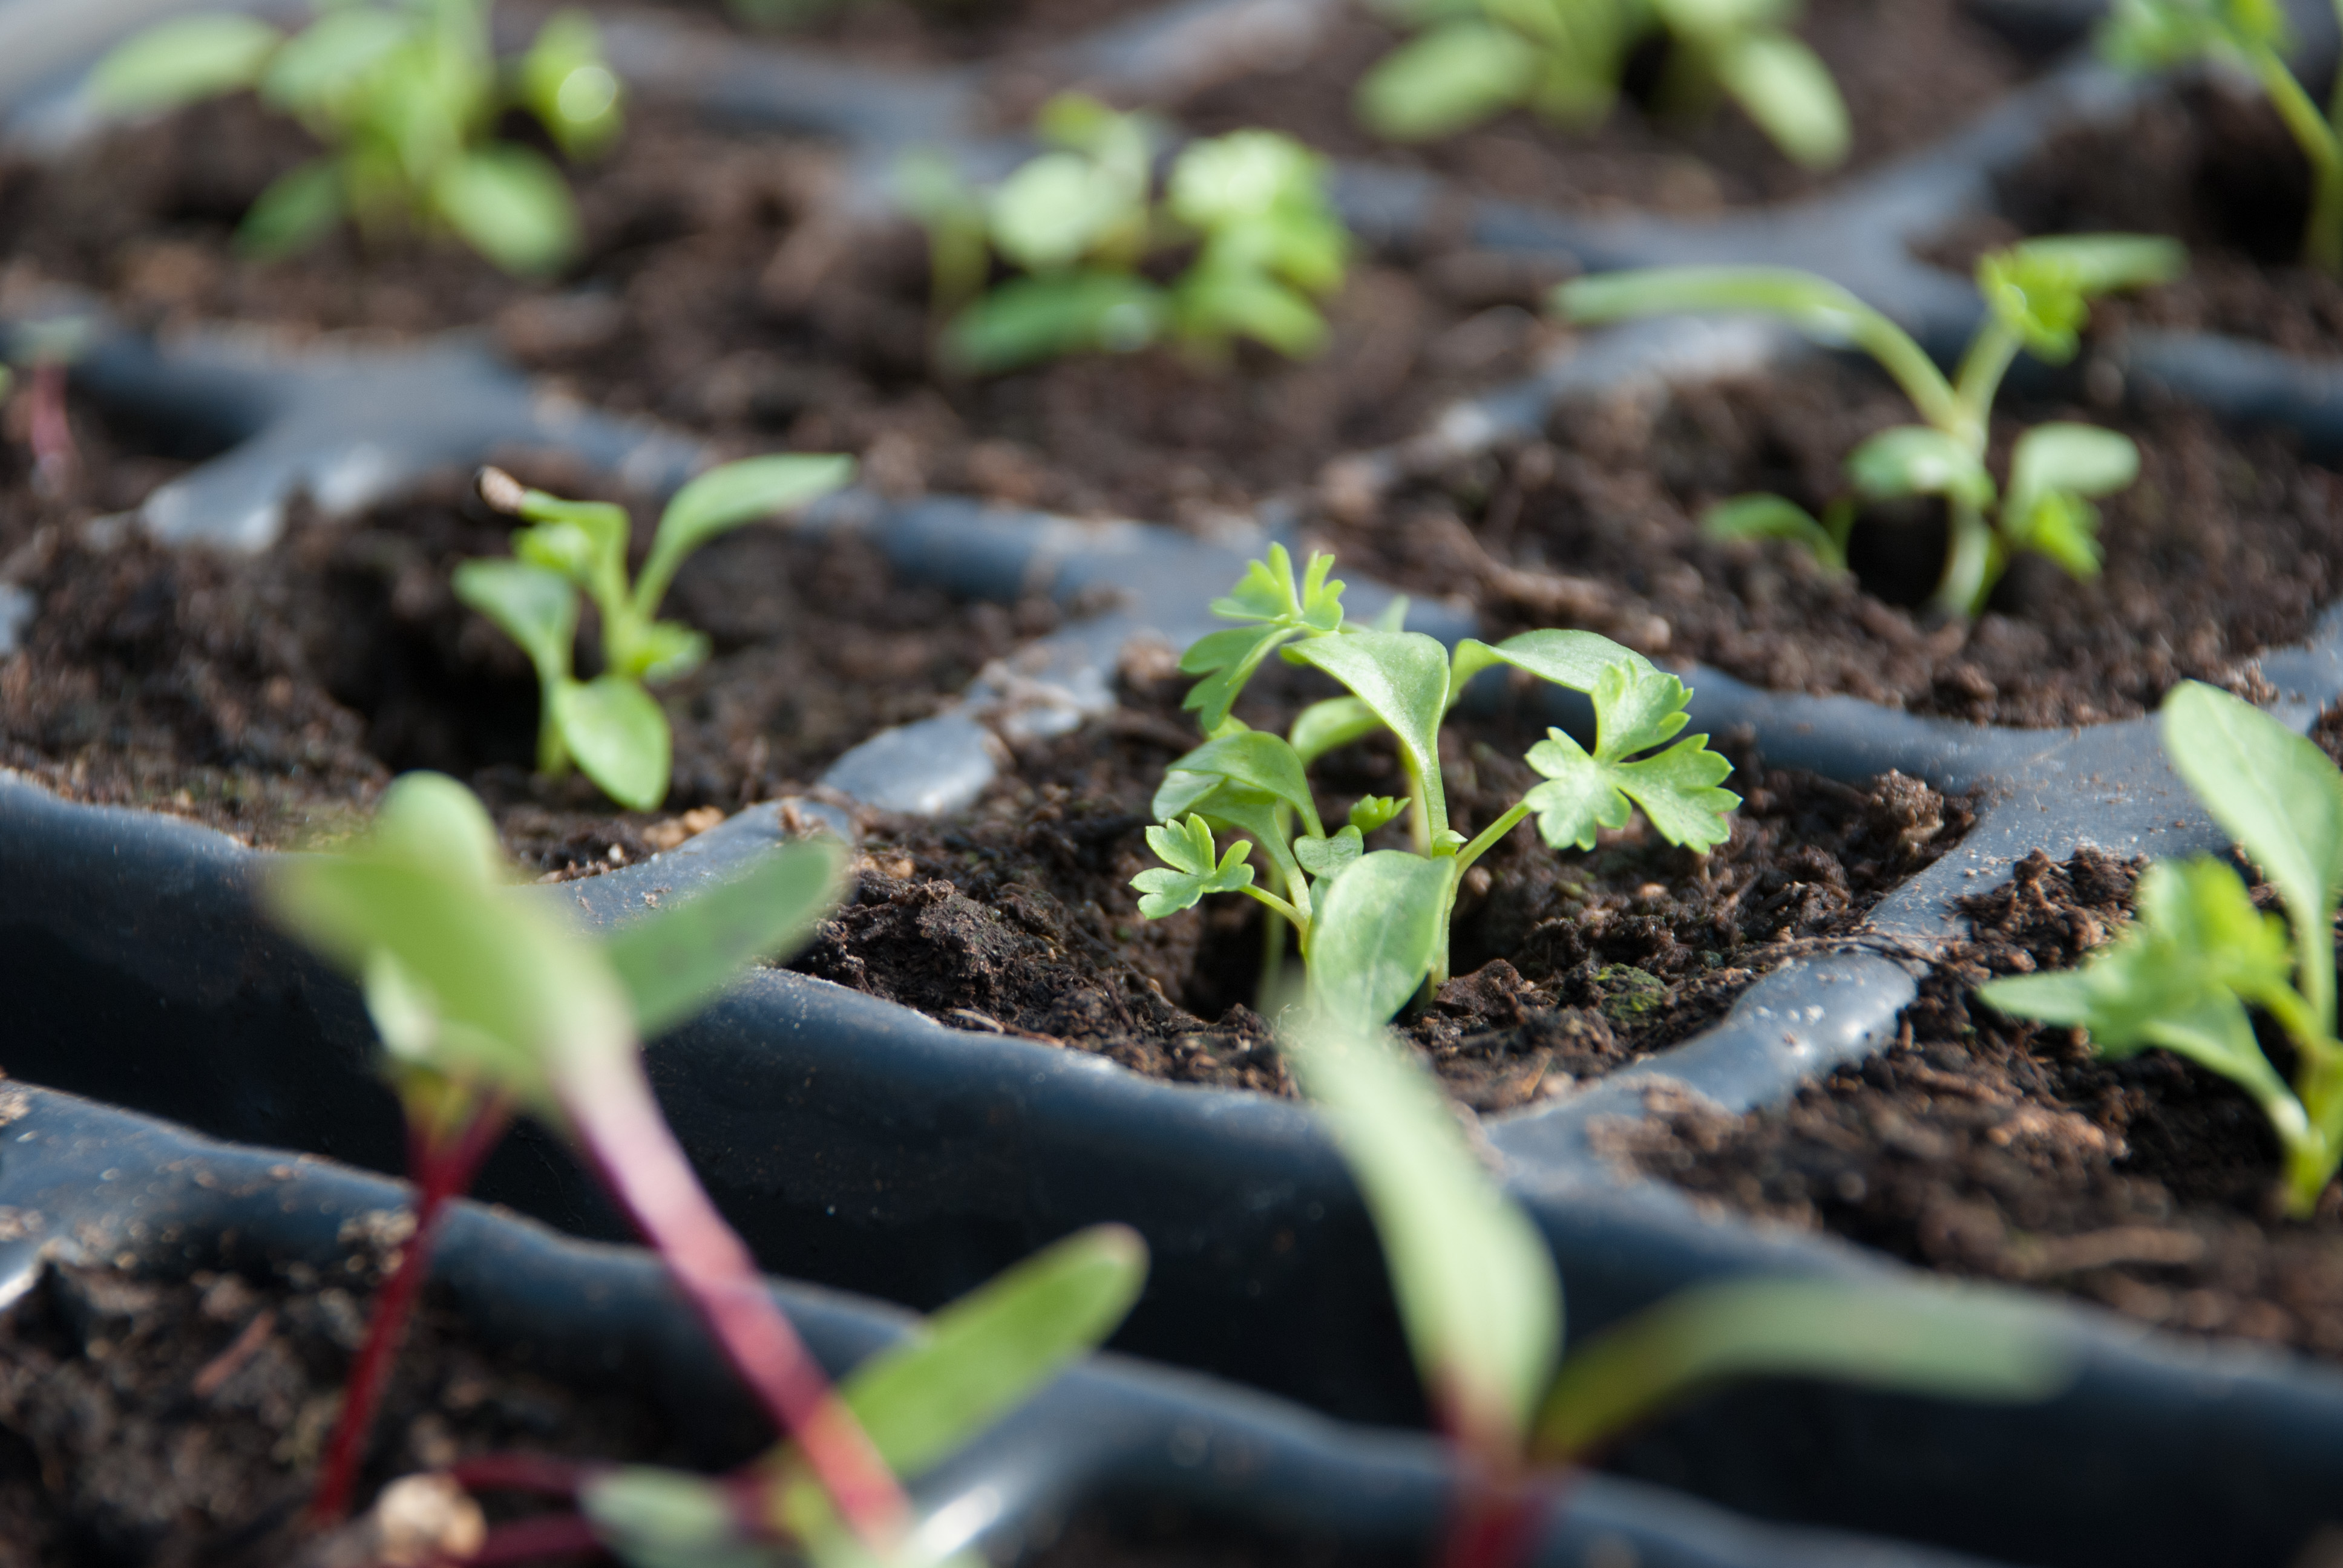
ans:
(874, 1149)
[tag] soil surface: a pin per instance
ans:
(905, 33)
(1021, 919)
(2209, 164)
(720, 291)
(273, 696)
(1998, 1148)
(2230, 543)
(1642, 158)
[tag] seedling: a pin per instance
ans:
(487, 1001)
(2253, 34)
(611, 727)
(1482, 1307)
(1564, 60)
(1373, 925)
(44, 351)
(1079, 221)
(2199, 956)
(405, 96)
(2038, 297)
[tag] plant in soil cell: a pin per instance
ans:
(44, 351)
(1080, 224)
(2255, 37)
(405, 96)
(2038, 297)
(1482, 1307)
(1563, 59)
(2201, 959)
(1373, 924)
(611, 727)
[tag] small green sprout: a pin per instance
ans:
(611, 727)
(2199, 955)
(405, 94)
(1373, 925)
(2038, 297)
(1482, 1307)
(2158, 35)
(1565, 58)
(1078, 222)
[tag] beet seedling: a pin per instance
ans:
(2199, 955)
(611, 727)
(2038, 297)
(1482, 1307)
(1078, 222)
(405, 96)
(2253, 34)
(1564, 60)
(1373, 925)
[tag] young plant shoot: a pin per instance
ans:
(610, 726)
(1373, 925)
(488, 1001)
(1482, 1307)
(1563, 59)
(1078, 222)
(405, 96)
(2038, 297)
(2199, 957)
(2254, 35)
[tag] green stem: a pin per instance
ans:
(1300, 921)
(1988, 360)
(1971, 562)
(1487, 838)
(552, 751)
(2322, 239)
(1266, 995)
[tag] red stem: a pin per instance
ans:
(441, 1170)
(538, 1472)
(555, 1534)
(1497, 1521)
(48, 430)
(610, 1105)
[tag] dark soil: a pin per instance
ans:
(1911, 71)
(1987, 1147)
(273, 696)
(2228, 545)
(2210, 165)
(720, 291)
(1021, 919)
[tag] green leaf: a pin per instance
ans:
(1029, 320)
(570, 87)
(536, 607)
(1329, 857)
(2081, 458)
(727, 497)
(1575, 660)
(1402, 675)
(294, 212)
(2040, 291)
(1762, 516)
(512, 206)
(674, 961)
(1335, 722)
(320, 68)
(1373, 935)
(652, 1518)
(1211, 304)
(1257, 758)
(1785, 88)
(1187, 850)
(1475, 1287)
(1445, 80)
(1929, 1341)
(618, 736)
(1633, 712)
(1916, 460)
(1056, 208)
(1246, 175)
(1373, 811)
(2063, 527)
(661, 651)
(182, 61)
(1279, 611)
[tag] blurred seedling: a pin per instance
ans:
(2037, 298)
(611, 727)
(405, 96)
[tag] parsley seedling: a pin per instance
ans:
(1373, 925)
(405, 96)
(611, 727)
(2199, 955)
(1563, 59)
(2254, 35)
(2038, 297)
(1482, 1307)
(1078, 222)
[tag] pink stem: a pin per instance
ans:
(610, 1103)
(1497, 1522)
(49, 431)
(536, 1472)
(441, 1170)
(524, 1540)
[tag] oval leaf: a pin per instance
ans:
(1374, 934)
(673, 961)
(512, 206)
(1403, 676)
(618, 737)
(1445, 80)
(181, 62)
(1916, 460)
(534, 606)
(2080, 458)
(294, 212)
(727, 497)
(1784, 87)
(1260, 760)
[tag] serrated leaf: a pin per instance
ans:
(1475, 1286)
(1259, 760)
(1278, 610)
(1190, 870)
(1916, 460)
(1375, 932)
(1373, 811)
(1329, 856)
(673, 965)
(512, 206)
(183, 62)
(1633, 712)
(1445, 80)
(618, 737)
(534, 606)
